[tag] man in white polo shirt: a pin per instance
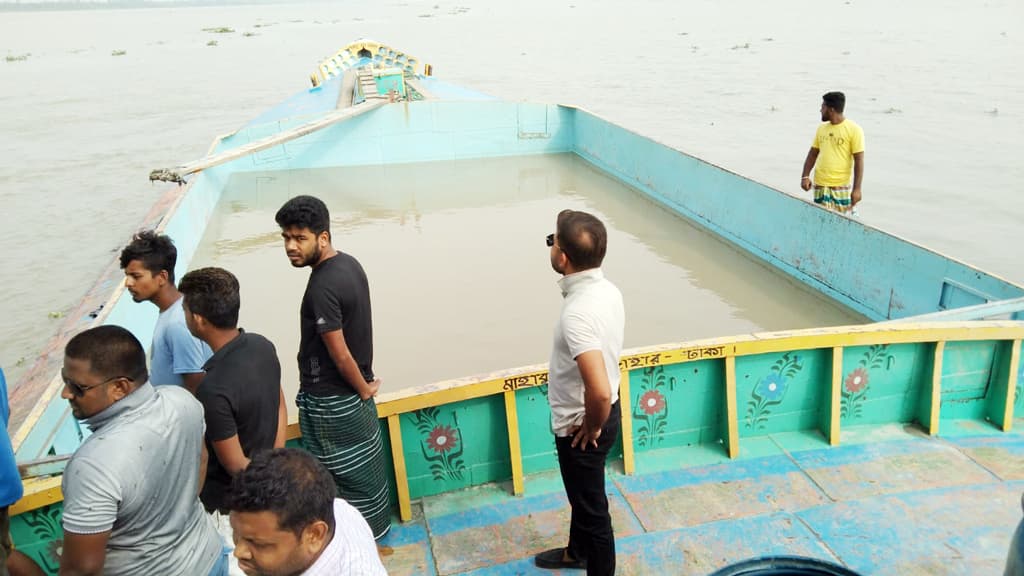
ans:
(583, 389)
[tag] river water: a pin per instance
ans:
(459, 272)
(91, 100)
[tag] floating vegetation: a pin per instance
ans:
(21, 361)
(741, 46)
(892, 110)
(219, 30)
(459, 10)
(684, 33)
(118, 52)
(56, 315)
(425, 16)
(263, 25)
(18, 57)
(769, 39)
(249, 34)
(211, 43)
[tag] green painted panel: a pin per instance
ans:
(782, 392)
(39, 535)
(677, 405)
(966, 375)
(437, 456)
(881, 383)
(536, 441)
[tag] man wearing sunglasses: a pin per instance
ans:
(583, 389)
(131, 490)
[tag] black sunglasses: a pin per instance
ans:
(79, 390)
(550, 240)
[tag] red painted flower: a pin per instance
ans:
(652, 402)
(857, 381)
(441, 439)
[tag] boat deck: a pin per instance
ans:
(889, 500)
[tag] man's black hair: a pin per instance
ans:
(213, 294)
(155, 251)
(583, 238)
(305, 212)
(112, 351)
(289, 483)
(835, 101)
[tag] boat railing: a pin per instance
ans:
(941, 370)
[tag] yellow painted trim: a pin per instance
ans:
(732, 419)
(514, 450)
(765, 343)
(625, 406)
(401, 477)
(836, 396)
(1011, 385)
(293, 432)
(933, 420)
(38, 493)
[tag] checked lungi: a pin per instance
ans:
(344, 435)
(835, 198)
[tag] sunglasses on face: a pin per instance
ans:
(79, 390)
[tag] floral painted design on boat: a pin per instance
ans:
(857, 383)
(45, 525)
(441, 444)
(650, 407)
(771, 390)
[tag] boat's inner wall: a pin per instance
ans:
(459, 272)
(878, 275)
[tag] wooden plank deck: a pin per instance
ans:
(889, 501)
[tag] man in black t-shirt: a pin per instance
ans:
(337, 414)
(241, 392)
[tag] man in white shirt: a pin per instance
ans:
(287, 522)
(583, 389)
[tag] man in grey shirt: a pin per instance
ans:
(131, 490)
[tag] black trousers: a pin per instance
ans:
(590, 533)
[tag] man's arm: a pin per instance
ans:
(84, 554)
(338, 349)
(282, 423)
(805, 176)
(230, 455)
(858, 177)
(204, 458)
(192, 381)
(597, 398)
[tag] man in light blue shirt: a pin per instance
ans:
(176, 357)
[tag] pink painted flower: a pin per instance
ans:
(441, 439)
(856, 381)
(652, 402)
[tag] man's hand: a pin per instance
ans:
(855, 197)
(373, 388)
(805, 183)
(584, 436)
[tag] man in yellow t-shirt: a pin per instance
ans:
(837, 150)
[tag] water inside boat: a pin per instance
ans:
(459, 271)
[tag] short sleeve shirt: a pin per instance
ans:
(137, 476)
(175, 350)
(836, 144)
(241, 395)
(337, 298)
(592, 318)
